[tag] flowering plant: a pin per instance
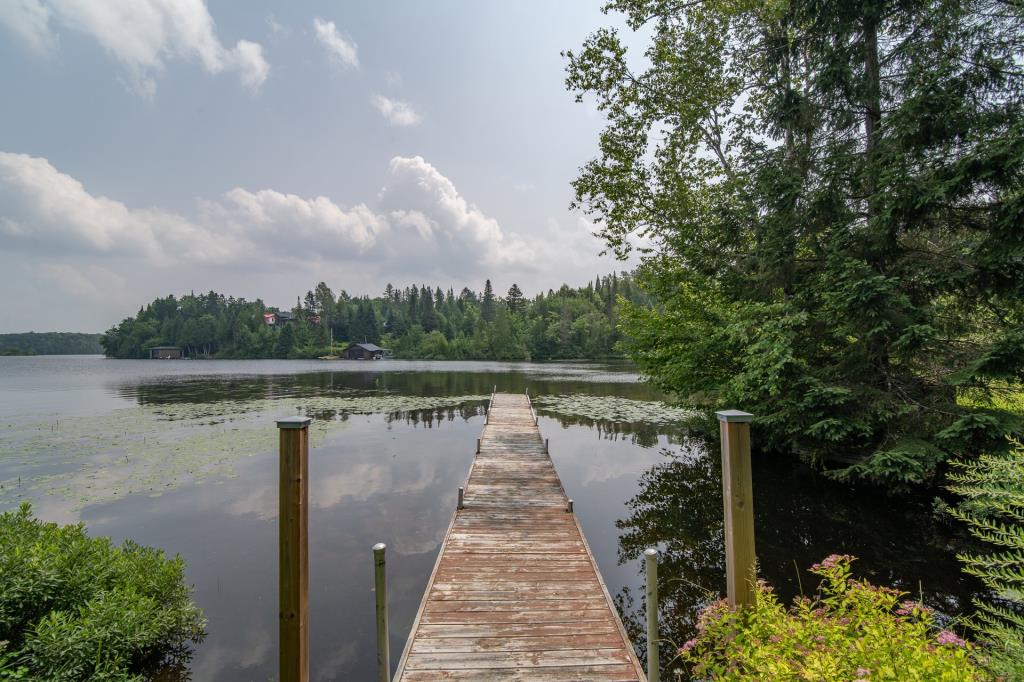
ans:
(851, 631)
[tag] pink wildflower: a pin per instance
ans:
(906, 608)
(687, 645)
(863, 672)
(710, 613)
(948, 638)
(831, 560)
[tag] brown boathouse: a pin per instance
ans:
(165, 353)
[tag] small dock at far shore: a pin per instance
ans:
(515, 594)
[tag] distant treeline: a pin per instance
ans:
(50, 343)
(413, 322)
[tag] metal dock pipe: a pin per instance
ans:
(380, 587)
(651, 561)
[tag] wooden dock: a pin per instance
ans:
(515, 594)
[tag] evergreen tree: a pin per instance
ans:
(487, 306)
(285, 342)
(835, 192)
(514, 300)
(428, 316)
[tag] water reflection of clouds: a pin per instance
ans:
(606, 465)
(364, 488)
(357, 481)
(340, 658)
(247, 648)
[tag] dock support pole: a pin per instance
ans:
(738, 493)
(569, 506)
(547, 443)
(653, 650)
(462, 498)
(380, 587)
(478, 446)
(293, 525)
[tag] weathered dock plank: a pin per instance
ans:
(515, 595)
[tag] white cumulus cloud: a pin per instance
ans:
(29, 20)
(341, 49)
(394, 112)
(419, 226)
(142, 34)
(39, 205)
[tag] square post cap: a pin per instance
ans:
(729, 416)
(293, 422)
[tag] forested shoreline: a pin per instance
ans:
(416, 322)
(50, 343)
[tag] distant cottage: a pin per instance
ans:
(165, 353)
(365, 351)
(275, 318)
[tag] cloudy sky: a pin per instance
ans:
(150, 147)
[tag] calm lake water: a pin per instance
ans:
(182, 455)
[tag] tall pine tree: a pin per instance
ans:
(514, 299)
(487, 305)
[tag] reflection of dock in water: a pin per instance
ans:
(515, 593)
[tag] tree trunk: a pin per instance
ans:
(872, 107)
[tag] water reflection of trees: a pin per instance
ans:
(644, 434)
(800, 517)
(427, 417)
(432, 382)
(679, 510)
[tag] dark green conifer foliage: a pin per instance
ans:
(515, 301)
(833, 192)
(487, 306)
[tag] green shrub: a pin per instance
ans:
(852, 630)
(79, 608)
(993, 509)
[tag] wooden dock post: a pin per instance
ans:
(651, 597)
(380, 587)
(293, 572)
(738, 489)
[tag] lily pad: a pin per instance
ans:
(612, 408)
(151, 449)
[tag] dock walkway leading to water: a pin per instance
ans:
(515, 594)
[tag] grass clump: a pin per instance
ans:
(851, 630)
(76, 608)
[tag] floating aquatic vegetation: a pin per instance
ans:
(612, 408)
(151, 449)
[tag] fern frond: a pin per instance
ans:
(992, 508)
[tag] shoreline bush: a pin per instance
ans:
(74, 607)
(851, 630)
